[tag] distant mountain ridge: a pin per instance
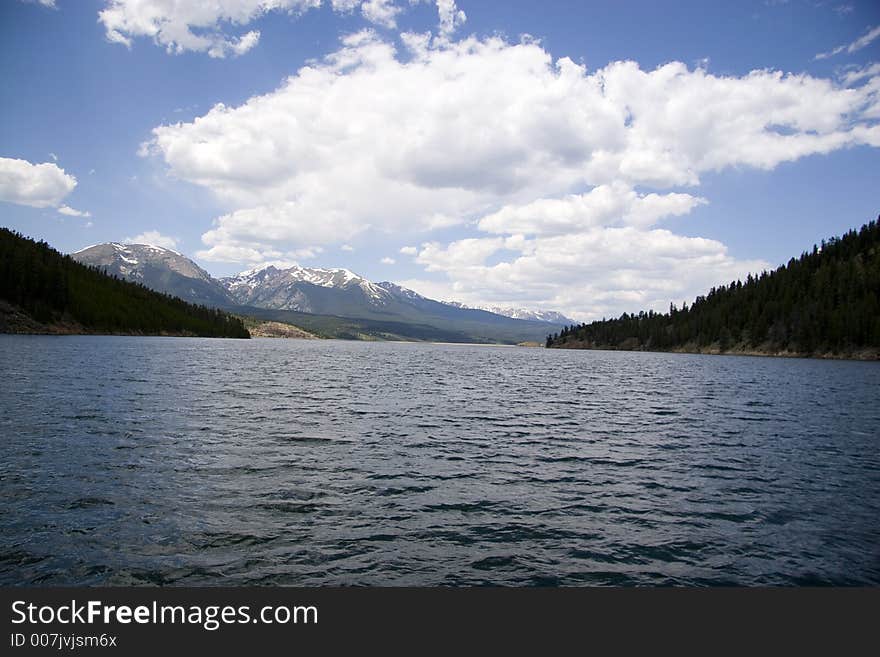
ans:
(380, 310)
(550, 316)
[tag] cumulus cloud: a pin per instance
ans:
(500, 138)
(205, 26)
(387, 261)
(603, 205)
(862, 42)
(154, 238)
(255, 254)
(183, 26)
(591, 274)
(409, 250)
(37, 185)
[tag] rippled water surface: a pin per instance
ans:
(190, 461)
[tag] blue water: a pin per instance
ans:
(193, 461)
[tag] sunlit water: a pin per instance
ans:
(190, 461)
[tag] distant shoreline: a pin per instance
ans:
(864, 355)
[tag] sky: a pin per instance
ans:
(589, 158)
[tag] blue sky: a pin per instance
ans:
(485, 169)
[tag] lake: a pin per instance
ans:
(184, 461)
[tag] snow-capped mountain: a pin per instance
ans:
(353, 304)
(401, 292)
(291, 288)
(156, 267)
(550, 316)
(342, 293)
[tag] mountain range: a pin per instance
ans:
(520, 313)
(330, 302)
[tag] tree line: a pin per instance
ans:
(51, 287)
(825, 301)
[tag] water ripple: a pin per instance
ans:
(156, 461)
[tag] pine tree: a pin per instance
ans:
(824, 301)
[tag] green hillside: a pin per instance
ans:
(824, 303)
(45, 290)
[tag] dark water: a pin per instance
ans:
(188, 461)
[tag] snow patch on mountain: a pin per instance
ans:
(276, 286)
(400, 291)
(141, 262)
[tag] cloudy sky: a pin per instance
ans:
(591, 158)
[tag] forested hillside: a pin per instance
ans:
(53, 290)
(823, 303)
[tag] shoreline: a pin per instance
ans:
(15, 321)
(866, 355)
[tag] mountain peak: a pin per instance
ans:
(399, 290)
(149, 247)
(324, 277)
(277, 286)
(157, 267)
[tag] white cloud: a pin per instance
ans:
(499, 138)
(409, 250)
(239, 254)
(587, 275)
(604, 205)
(205, 26)
(865, 40)
(433, 289)
(387, 261)
(862, 42)
(347, 247)
(381, 12)
(197, 26)
(306, 253)
(344, 6)
(239, 46)
(257, 254)
(70, 212)
(45, 3)
(856, 74)
(464, 126)
(38, 185)
(154, 238)
(451, 17)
